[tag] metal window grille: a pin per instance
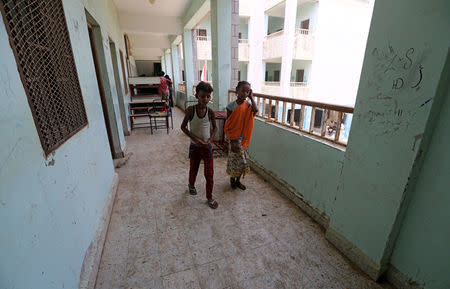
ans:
(40, 40)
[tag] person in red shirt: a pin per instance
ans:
(163, 89)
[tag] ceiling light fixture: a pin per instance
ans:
(151, 1)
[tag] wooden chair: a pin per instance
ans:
(159, 116)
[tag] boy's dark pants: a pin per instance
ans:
(196, 154)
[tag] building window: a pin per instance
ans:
(40, 40)
(201, 32)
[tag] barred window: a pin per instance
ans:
(40, 40)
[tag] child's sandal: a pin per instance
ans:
(192, 190)
(240, 185)
(213, 204)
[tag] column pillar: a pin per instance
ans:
(256, 68)
(176, 77)
(188, 61)
(221, 34)
(234, 43)
(168, 58)
(290, 13)
(163, 63)
(195, 56)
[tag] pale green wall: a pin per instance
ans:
(275, 23)
(388, 123)
(311, 167)
(422, 250)
(307, 11)
(243, 68)
(301, 64)
(243, 27)
(206, 24)
(271, 67)
(51, 208)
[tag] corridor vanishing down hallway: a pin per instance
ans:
(161, 237)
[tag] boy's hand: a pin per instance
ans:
(250, 94)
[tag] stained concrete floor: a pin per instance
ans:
(161, 237)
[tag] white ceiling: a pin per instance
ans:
(149, 25)
(160, 7)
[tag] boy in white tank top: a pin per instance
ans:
(202, 124)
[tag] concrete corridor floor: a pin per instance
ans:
(161, 237)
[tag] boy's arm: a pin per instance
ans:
(214, 126)
(189, 114)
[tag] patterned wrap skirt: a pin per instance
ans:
(237, 164)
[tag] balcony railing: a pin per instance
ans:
(202, 38)
(299, 84)
(272, 83)
(242, 40)
(326, 121)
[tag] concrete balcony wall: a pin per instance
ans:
(310, 167)
(299, 91)
(273, 45)
(303, 49)
(243, 50)
(304, 44)
(296, 90)
(271, 88)
(203, 48)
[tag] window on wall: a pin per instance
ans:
(39, 37)
(201, 32)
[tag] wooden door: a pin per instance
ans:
(305, 24)
(276, 75)
(300, 75)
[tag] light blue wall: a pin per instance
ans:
(301, 64)
(422, 249)
(50, 208)
(275, 24)
(311, 167)
(307, 11)
(389, 120)
(271, 67)
(206, 24)
(243, 67)
(243, 27)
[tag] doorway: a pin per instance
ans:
(276, 75)
(98, 57)
(117, 80)
(305, 25)
(300, 75)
